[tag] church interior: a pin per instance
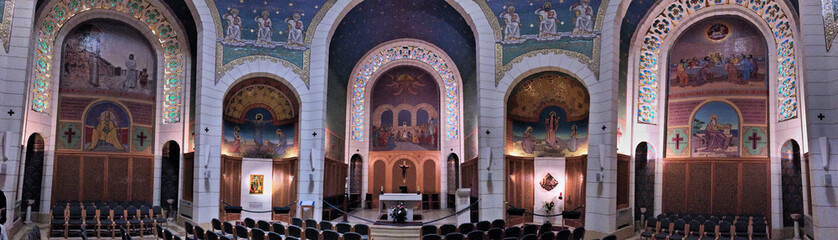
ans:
(423, 119)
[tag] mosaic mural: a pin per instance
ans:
(547, 115)
(722, 59)
(107, 89)
(830, 21)
(260, 120)
(277, 30)
(6, 10)
(531, 26)
(405, 111)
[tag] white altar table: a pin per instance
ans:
(410, 200)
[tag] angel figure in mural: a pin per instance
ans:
(572, 144)
(237, 140)
(512, 24)
(406, 84)
(547, 27)
(265, 28)
(280, 147)
(583, 21)
(713, 136)
(552, 124)
(234, 26)
(106, 131)
(258, 124)
(296, 35)
(130, 73)
(528, 143)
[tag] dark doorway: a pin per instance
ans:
(169, 178)
(453, 179)
(644, 179)
(792, 180)
(33, 172)
(355, 166)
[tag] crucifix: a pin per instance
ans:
(404, 168)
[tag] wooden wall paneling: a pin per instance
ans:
(285, 182)
(674, 193)
(699, 190)
(66, 177)
(725, 187)
(230, 192)
(187, 189)
(409, 180)
(519, 186)
(94, 183)
(469, 171)
(429, 178)
(142, 179)
(334, 180)
(755, 190)
(379, 179)
(118, 189)
(574, 197)
(623, 180)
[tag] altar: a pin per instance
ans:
(410, 200)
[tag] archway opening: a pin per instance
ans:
(644, 181)
(169, 177)
(453, 175)
(792, 182)
(33, 172)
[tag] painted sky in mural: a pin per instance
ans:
(548, 114)
(105, 57)
(270, 28)
(405, 111)
(538, 24)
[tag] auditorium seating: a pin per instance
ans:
(84, 218)
(472, 231)
(263, 229)
(699, 227)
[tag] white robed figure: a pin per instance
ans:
(234, 26)
(265, 28)
(295, 30)
(512, 24)
(130, 72)
(547, 27)
(583, 21)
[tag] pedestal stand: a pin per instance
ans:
(29, 203)
(796, 218)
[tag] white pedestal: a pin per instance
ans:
(462, 200)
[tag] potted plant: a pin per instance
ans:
(399, 213)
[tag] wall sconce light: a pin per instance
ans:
(823, 142)
(560, 196)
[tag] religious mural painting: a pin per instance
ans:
(547, 115)
(6, 10)
(405, 116)
(260, 120)
(276, 29)
(527, 26)
(718, 91)
(107, 89)
(257, 184)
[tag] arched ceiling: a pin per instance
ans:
(373, 22)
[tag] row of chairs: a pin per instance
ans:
(497, 230)
(757, 218)
(67, 219)
(710, 229)
(259, 230)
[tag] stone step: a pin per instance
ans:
(380, 232)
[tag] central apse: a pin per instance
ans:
(405, 117)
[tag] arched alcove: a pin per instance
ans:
(644, 181)
(791, 182)
(170, 175)
(33, 171)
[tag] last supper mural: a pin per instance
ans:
(547, 115)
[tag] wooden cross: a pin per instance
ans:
(142, 138)
(69, 133)
(677, 140)
(754, 140)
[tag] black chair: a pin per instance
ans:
(294, 231)
(445, 229)
(709, 230)
(119, 218)
(330, 235)
(75, 220)
(610, 237)
(343, 227)
(678, 230)
(104, 223)
(90, 219)
(529, 237)
(563, 235)
(134, 222)
(687, 219)
(512, 232)
(499, 223)
(548, 235)
(352, 236)
(546, 227)
(455, 236)
(229, 230)
(200, 234)
(484, 226)
(428, 229)
(694, 230)
(249, 222)
(264, 225)
(189, 229)
(724, 229)
(241, 232)
(578, 233)
(760, 230)
(431, 237)
(147, 220)
(310, 223)
(325, 225)
(274, 236)
(278, 228)
(495, 234)
(663, 230)
(297, 222)
(157, 214)
(714, 219)
(650, 229)
(476, 235)
(167, 234)
(312, 233)
(216, 226)
(159, 230)
(530, 229)
(700, 219)
(465, 228)
(257, 234)
(212, 235)
(362, 229)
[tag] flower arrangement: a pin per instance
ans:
(399, 213)
(548, 206)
